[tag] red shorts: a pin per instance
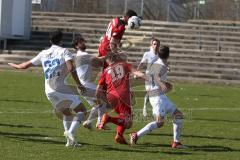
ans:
(121, 107)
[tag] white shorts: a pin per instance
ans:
(147, 85)
(162, 105)
(60, 100)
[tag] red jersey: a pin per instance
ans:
(116, 80)
(116, 28)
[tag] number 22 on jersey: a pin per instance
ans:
(51, 68)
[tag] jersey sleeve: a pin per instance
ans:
(118, 28)
(143, 58)
(37, 60)
(128, 67)
(67, 55)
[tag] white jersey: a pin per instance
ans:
(157, 69)
(84, 67)
(55, 69)
(159, 101)
(85, 74)
(149, 58)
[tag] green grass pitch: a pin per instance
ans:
(29, 131)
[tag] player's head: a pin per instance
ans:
(116, 57)
(155, 44)
(130, 13)
(56, 37)
(164, 53)
(79, 43)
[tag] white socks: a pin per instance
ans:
(147, 129)
(177, 125)
(146, 100)
(76, 121)
(93, 114)
(67, 120)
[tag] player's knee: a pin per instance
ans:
(66, 112)
(79, 116)
(80, 108)
(177, 115)
(160, 124)
(128, 125)
(128, 121)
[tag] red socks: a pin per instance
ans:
(120, 130)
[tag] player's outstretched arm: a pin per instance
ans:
(98, 61)
(138, 74)
(72, 70)
(23, 65)
(141, 66)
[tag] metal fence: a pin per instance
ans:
(169, 10)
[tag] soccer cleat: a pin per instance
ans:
(133, 138)
(70, 136)
(178, 145)
(100, 127)
(87, 125)
(69, 143)
(77, 145)
(120, 139)
(104, 121)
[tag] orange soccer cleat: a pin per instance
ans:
(178, 145)
(103, 123)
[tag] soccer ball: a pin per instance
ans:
(134, 22)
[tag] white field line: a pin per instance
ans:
(204, 108)
(138, 110)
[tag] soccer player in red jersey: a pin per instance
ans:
(114, 33)
(114, 87)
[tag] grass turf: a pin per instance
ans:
(28, 129)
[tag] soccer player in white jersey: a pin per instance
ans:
(57, 63)
(147, 59)
(86, 64)
(157, 77)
